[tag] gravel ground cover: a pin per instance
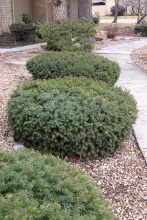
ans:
(139, 56)
(122, 177)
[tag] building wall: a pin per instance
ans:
(103, 10)
(109, 4)
(21, 7)
(11, 11)
(100, 9)
(6, 15)
(38, 8)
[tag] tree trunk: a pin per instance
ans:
(50, 13)
(138, 19)
(84, 9)
(141, 18)
(116, 11)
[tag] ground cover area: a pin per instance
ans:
(121, 177)
(139, 56)
(7, 41)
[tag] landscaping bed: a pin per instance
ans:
(139, 57)
(121, 176)
(7, 41)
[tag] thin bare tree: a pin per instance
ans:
(116, 11)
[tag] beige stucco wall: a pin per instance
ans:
(6, 17)
(100, 9)
(21, 7)
(103, 10)
(109, 4)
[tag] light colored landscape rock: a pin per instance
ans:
(19, 147)
(18, 63)
(10, 139)
(11, 133)
(100, 36)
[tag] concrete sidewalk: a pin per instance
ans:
(19, 49)
(126, 21)
(134, 79)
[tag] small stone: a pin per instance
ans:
(11, 133)
(19, 147)
(77, 44)
(100, 36)
(73, 39)
(18, 63)
(11, 144)
(131, 198)
(10, 139)
(114, 39)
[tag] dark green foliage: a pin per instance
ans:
(26, 18)
(33, 186)
(96, 18)
(21, 31)
(60, 64)
(121, 10)
(59, 35)
(141, 27)
(58, 115)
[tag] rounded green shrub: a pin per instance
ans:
(141, 28)
(62, 115)
(33, 186)
(54, 64)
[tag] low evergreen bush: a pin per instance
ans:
(96, 18)
(21, 31)
(33, 186)
(67, 35)
(141, 27)
(61, 116)
(60, 64)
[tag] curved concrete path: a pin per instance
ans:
(132, 78)
(20, 49)
(126, 21)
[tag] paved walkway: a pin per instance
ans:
(134, 79)
(128, 21)
(19, 49)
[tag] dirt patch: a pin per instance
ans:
(7, 41)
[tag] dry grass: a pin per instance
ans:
(124, 28)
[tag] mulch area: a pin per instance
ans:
(122, 177)
(139, 57)
(7, 41)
